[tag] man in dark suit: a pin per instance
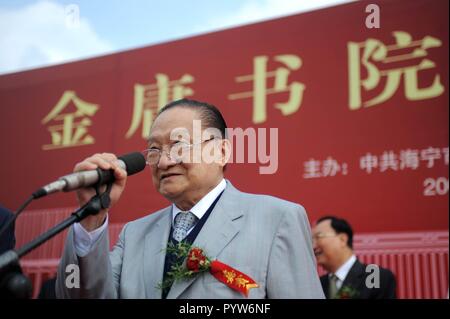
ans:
(7, 239)
(347, 277)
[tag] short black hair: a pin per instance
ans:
(209, 114)
(340, 226)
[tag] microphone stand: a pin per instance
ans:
(13, 284)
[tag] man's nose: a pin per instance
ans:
(165, 161)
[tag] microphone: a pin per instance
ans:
(133, 163)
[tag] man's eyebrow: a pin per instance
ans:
(152, 139)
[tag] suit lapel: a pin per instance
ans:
(219, 229)
(324, 280)
(154, 255)
(354, 276)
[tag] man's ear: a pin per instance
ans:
(343, 237)
(225, 148)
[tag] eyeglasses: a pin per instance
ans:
(177, 152)
(323, 235)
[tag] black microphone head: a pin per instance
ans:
(134, 162)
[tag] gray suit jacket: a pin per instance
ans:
(264, 237)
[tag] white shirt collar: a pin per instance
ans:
(342, 272)
(202, 206)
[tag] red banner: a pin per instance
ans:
(346, 118)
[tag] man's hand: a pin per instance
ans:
(105, 161)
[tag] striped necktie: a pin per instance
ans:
(332, 288)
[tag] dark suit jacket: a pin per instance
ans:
(48, 289)
(356, 281)
(7, 240)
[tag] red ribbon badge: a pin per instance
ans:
(197, 261)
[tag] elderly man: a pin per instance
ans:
(265, 238)
(347, 277)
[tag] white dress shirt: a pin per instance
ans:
(343, 271)
(84, 240)
(202, 206)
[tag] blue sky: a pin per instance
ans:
(46, 32)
